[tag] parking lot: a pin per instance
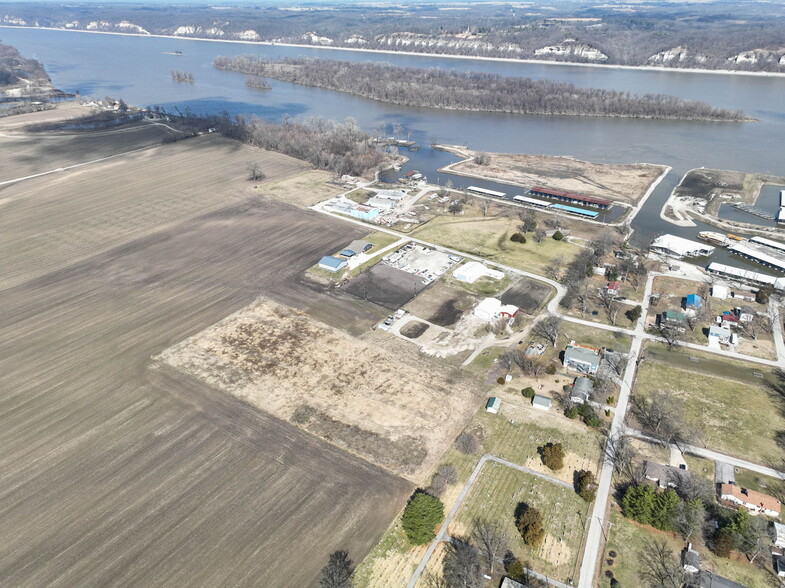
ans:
(425, 262)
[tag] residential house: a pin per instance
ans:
(729, 320)
(718, 334)
(709, 580)
(613, 288)
(356, 247)
(721, 292)
(694, 301)
(582, 358)
(777, 534)
(581, 391)
(664, 476)
(753, 501)
(675, 319)
(779, 565)
(745, 313)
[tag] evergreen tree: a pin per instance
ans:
(422, 515)
(638, 503)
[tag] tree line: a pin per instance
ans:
(474, 91)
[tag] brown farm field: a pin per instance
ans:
(104, 205)
(118, 469)
(34, 153)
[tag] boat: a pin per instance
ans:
(734, 237)
(713, 238)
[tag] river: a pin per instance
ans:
(138, 70)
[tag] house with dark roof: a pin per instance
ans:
(691, 560)
(356, 247)
(709, 580)
(664, 476)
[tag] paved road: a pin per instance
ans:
(442, 534)
(776, 323)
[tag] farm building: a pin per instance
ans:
(382, 203)
(582, 388)
(572, 198)
(472, 271)
(721, 292)
(485, 192)
(679, 247)
(575, 211)
(583, 359)
(771, 243)
(777, 534)
(356, 247)
(342, 207)
(719, 334)
(755, 502)
(332, 264)
(694, 301)
(365, 213)
(491, 308)
(391, 194)
(493, 405)
(532, 201)
(541, 402)
(664, 476)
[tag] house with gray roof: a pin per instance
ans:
(664, 476)
(582, 359)
(356, 247)
(541, 402)
(582, 389)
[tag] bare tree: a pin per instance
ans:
(431, 580)
(662, 414)
(485, 206)
(445, 475)
(696, 317)
(467, 443)
(583, 298)
(528, 221)
(670, 334)
(659, 566)
(539, 235)
(756, 327)
(482, 158)
(255, 173)
(554, 268)
(532, 366)
(690, 518)
(461, 567)
(618, 449)
(491, 538)
(456, 207)
(548, 328)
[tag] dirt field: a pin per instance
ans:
(621, 183)
(395, 413)
(302, 190)
(527, 295)
(29, 154)
(118, 470)
(96, 207)
(414, 329)
(442, 304)
(386, 286)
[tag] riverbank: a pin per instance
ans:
(419, 54)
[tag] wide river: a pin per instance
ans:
(137, 69)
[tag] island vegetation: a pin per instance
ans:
(183, 76)
(257, 82)
(24, 84)
(474, 91)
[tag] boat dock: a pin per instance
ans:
(750, 209)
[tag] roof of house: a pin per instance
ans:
(721, 332)
(779, 532)
(613, 285)
(582, 386)
(779, 563)
(694, 300)
(493, 402)
(673, 315)
(664, 473)
(358, 246)
(692, 558)
(750, 496)
(510, 583)
(543, 401)
(730, 318)
(581, 354)
(331, 261)
(709, 580)
(719, 291)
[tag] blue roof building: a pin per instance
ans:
(694, 301)
(332, 264)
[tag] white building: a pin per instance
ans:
(472, 271)
(679, 247)
(777, 534)
(755, 502)
(492, 308)
(721, 292)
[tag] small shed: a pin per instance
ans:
(691, 560)
(694, 301)
(581, 390)
(777, 534)
(541, 402)
(721, 292)
(332, 264)
(493, 405)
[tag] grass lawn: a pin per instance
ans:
(484, 286)
(593, 337)
(489, 238)
(629, 539)
(736, 411)
(495, 495)
(360, 196)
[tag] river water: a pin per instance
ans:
(138, 70)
